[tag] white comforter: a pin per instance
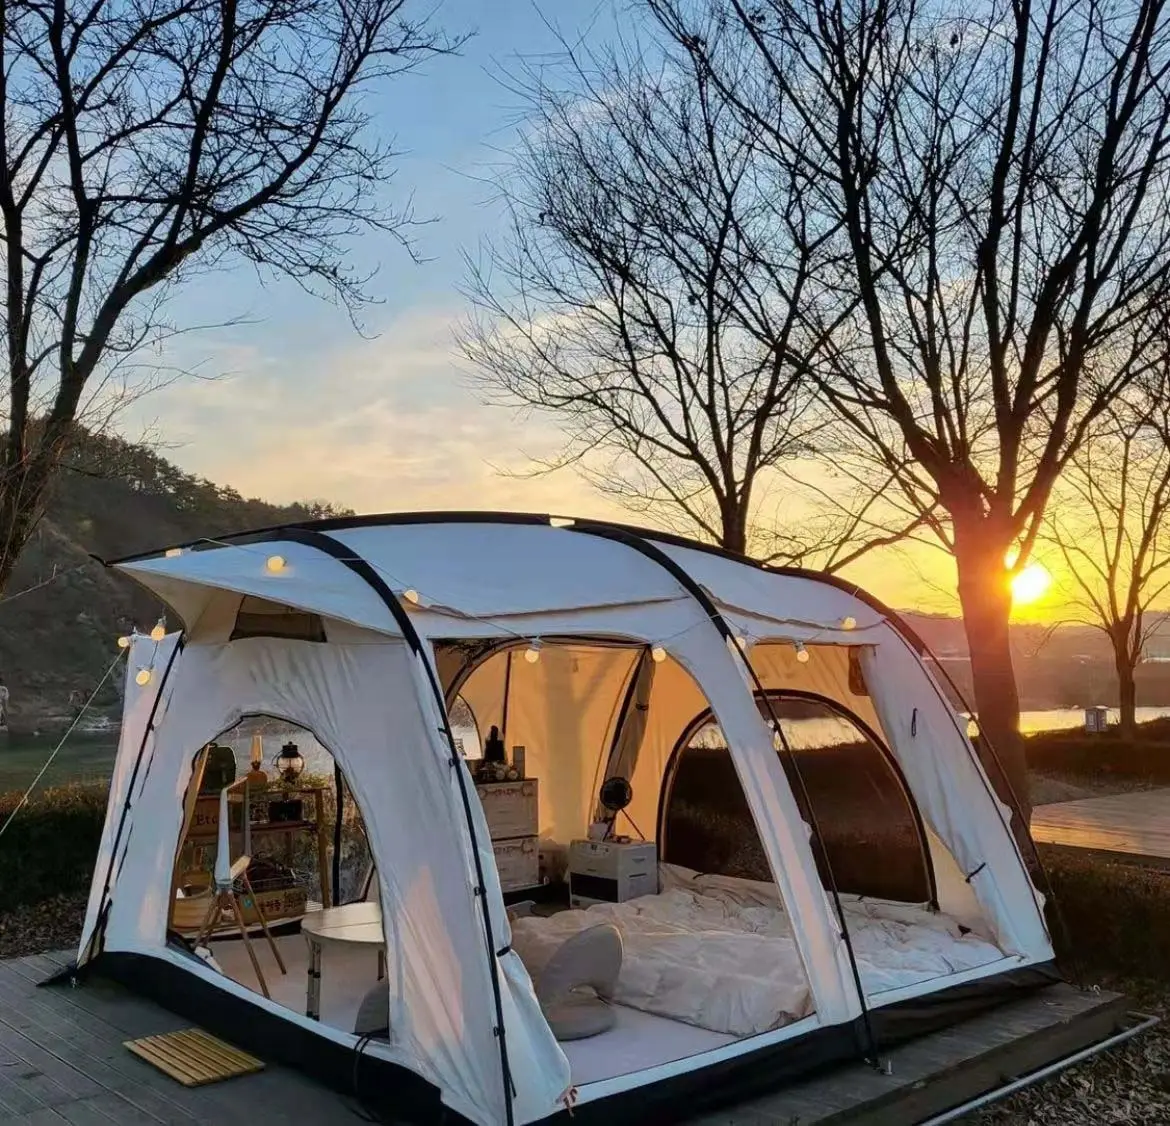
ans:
(718, 952)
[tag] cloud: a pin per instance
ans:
(387, 424)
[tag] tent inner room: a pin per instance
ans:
(640, 891)
(271, 835)
(614, 805)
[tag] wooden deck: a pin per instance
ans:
(1135, 824)
(62, 1060)
(937, 1073)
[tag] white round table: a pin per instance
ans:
(357, 924)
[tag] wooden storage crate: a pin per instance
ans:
(518, 862)
(277, 904)
(511, 808)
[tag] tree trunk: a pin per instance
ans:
(734, 519)
(985, 596)
(21, 496)
(1126, 686)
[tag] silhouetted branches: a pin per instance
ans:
(143, 141)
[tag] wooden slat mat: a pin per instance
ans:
(194, 1057)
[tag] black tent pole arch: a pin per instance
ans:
(365, 571)
(654, 553)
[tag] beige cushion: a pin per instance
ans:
(578, 982)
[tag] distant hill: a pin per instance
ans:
(112, 498)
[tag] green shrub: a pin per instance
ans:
(52, 843)
(1117, 915)
(1146, 756)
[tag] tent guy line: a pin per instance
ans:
(56, 750)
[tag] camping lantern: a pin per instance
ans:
(289, 766)
(289, 763)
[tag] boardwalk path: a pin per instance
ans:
(1137, 824)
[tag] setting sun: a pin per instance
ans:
(1030, 584)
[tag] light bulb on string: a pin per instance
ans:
(658, 654)
(848, 622)
(124, 642)
(802, 654)
(160, 630)
(411, 596)
(143, 678)
(275, 564)
(174, 552)
(532, 653)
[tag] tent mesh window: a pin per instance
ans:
(870, 833)
(257, 617)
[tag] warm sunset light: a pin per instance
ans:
(1030, 584)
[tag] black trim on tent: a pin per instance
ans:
(707, 1089)
(679, 574)
(97, 938)
(706, 716)
(364, 570)
(619, 727)
(406, 1097)
(338, 815)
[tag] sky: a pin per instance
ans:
(294, 404)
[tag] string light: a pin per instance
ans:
(143, 678)
(802, 654)
(275, 564)
(561, 521)
(124, 643)
(658, 654)
(532, 653)
(174, 552)
(848, 623)
(160, 630)
(411, 596)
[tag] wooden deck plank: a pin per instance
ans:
(93, 1046)
(62, 1064)
(1136, 823)
(942, 1070)
(46, 1116)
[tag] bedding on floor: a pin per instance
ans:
(717, 951)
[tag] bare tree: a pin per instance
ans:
(640, 226)
(1108, 523)
(144, 140)
(998, 174)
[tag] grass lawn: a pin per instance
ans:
(80, 760)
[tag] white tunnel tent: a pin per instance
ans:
(676, 667)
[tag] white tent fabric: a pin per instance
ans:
(946, 779)
(362, 702)
(137, 735)
(368, 699)
(192, 582)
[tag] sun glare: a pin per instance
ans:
(1030, 584)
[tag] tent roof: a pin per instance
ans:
(490, 565)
